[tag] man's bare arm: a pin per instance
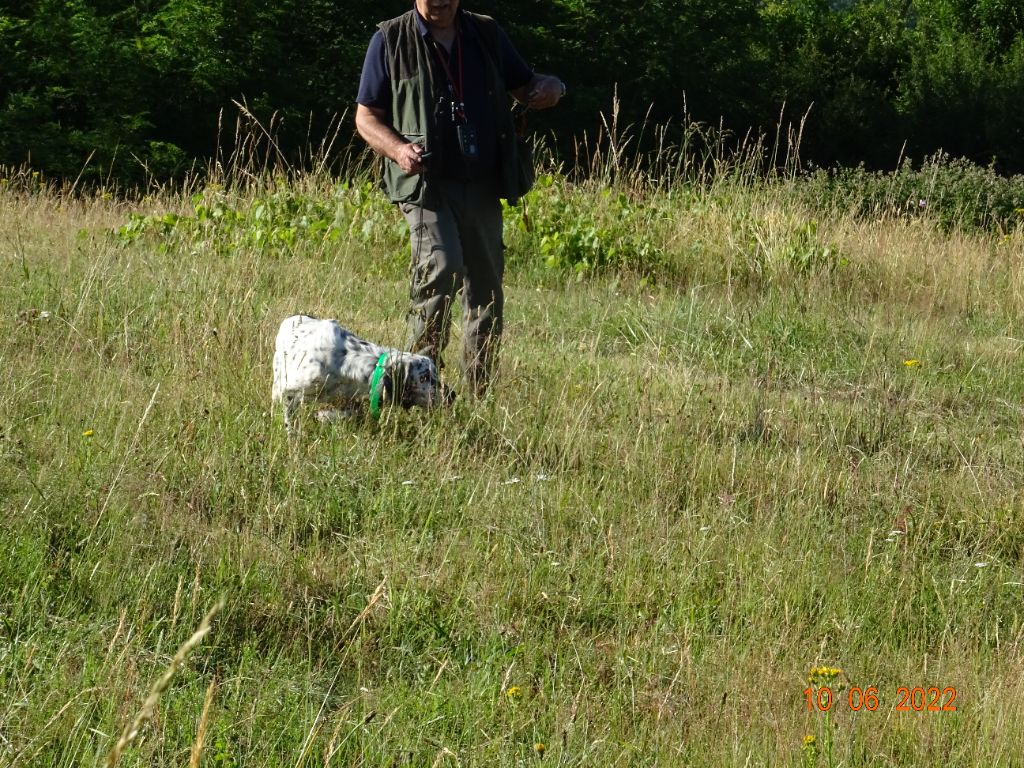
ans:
(373, 125)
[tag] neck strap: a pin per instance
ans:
(378, 374)
(457, 87)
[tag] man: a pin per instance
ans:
(433, 100)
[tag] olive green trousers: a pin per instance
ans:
(457, 246)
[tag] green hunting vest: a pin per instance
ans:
(414, 95)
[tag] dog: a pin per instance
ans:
(319, 361)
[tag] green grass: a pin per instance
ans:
(709, 464)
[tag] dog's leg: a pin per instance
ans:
(291, 404)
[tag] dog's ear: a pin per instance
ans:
(387, 387)
(392, 394)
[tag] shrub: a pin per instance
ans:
(954, 192)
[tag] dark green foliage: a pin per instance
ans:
(965, 81)
(145, 90)
(841, 69)
(70, 75)
(137, 90)
(663, 56)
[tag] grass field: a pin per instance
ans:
(735, 437)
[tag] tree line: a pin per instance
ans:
(135, 90)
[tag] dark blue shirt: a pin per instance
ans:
(375, 91)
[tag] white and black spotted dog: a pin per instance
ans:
(318, 361)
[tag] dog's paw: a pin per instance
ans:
(334, 415)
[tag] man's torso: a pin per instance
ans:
(460, 78)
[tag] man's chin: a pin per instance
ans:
(442, 16)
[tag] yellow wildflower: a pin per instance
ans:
(911, 363)
(823, 675)
(88, 433)
(539, 748)
(514, 692)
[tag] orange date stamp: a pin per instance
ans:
(917, 699)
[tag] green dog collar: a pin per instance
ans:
(378, 374)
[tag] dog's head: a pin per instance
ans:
(413, 380)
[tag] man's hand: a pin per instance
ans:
(374, 126)
(410, 158)
(541, 92)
